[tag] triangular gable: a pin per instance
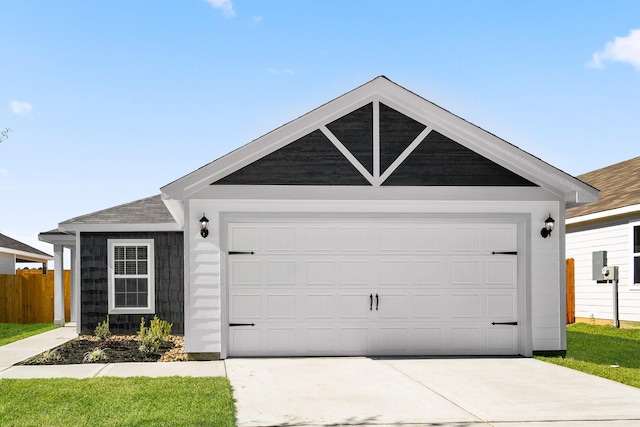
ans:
(390, 136)
(375, 145)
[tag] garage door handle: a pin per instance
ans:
(377, 301)
(370, 302)
(505, 323)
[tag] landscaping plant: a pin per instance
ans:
(152, 337)
(102, 331)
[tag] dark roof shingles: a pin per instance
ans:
(150, 210)
(619, 186)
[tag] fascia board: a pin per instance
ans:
(604, 214)
(58, 239)
(97, 228)
(175, 208)
(26, 255)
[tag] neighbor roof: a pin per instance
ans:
(23, 252)
(619, 187)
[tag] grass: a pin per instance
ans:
(109, 401)
(604, 351)
(10, 332)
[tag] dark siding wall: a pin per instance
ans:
(310, 160)
(169, 280)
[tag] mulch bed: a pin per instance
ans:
(117, 348)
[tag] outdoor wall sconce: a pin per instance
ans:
(548, 227)
(204, 226)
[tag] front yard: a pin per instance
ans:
(604, 351)
(107, 401)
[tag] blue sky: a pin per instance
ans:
(109, 101)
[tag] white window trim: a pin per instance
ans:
(632, 256)
(151, 299)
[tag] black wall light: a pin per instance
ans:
(204, 226)
(548, 227)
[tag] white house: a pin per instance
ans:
(13, 251)
(611, 225)
(376, 224)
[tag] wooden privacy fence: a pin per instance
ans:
(571, 291)
(27, 297)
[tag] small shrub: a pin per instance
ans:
(152, 337)
(95, 355)
(49, 356)
(102, 330)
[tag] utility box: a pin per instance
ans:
(598, 262)
(610, 273)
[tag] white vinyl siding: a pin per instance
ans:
(596, 299)
(131, 278)
(7, 264)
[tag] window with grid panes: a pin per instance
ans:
(131, 285)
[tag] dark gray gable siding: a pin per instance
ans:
(314, 160)
(397, 132)
(440, 161)
(169, 280)
(355, 131)
(311, 160)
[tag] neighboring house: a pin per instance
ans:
(612, 225)
(13, 251)
(377, 224)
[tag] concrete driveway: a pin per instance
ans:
(505, 392)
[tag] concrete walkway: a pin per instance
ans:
(350, 391)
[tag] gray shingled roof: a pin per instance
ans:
(619, 186)
(150, 210)
(9, 243)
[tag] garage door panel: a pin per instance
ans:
(501, 306)
(320, 272)
(501, 238)
(280, 272)
(427, 272)
(354, 306)
(245, 272)
(320, 239)
(393, 239)
(354, 340)
(246, 306)
(353, 239)
(310, 289)
(320, 307)
(427, 340)
(427, 239)
(427, 306)
(355, 272)
(393, 340)
(281, 307)
(392, 306)
(465, 306)
(501, 272)
(466, 338)
(501, 339)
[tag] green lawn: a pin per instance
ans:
(10, 332)
(604, 351)
(108, 401)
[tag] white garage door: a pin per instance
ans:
(372, 287)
